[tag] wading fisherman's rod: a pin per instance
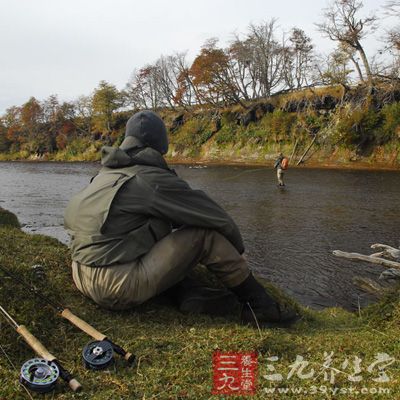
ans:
(41, 351)
(67, 314)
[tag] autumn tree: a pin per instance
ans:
(105, 101)
(4, 141)
(11, 120)
(210, 78)
(343, 24)
(32, 138)
(58, 122)
(83, 108)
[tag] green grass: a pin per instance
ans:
(174, 350)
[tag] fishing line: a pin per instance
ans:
(243, 172)
(8, 358)
(12, 364)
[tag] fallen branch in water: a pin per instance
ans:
(372, 259)
(391, 274)
(388, 251)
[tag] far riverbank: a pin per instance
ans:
(322, 163)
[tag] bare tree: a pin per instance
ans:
(184, 95)
(343, 24)
(335, 69)
(142, 90)
(170, 73)
(392, 39)
(240, 57)
(267, 59)
(166, 75)
(393, 7)
(299, 59)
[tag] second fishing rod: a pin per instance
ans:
(64, 312)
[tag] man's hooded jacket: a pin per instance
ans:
(133, 202)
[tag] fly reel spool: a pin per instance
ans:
(98, 355)
(39, 375)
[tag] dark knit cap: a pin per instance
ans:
(146, 128)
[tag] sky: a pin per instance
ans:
(66, 47)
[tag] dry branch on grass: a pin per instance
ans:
(391, 274)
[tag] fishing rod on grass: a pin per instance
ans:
(40, 374)
(97, 354)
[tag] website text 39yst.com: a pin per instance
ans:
(318, 390)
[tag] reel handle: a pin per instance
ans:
(34, 343)
(129, 357)
(74, 385)
(82, 325)
(67, 377)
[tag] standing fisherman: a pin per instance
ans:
(280, 165)
(138, 229)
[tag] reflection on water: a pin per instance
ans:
(289, 234)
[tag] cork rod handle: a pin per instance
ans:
(82, 325)
(34, 343)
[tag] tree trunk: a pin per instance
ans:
(307, 150)
(366, 65)
(358, 69)
(294, 150)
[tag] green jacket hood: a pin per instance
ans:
(114, 157)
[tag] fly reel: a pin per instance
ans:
(98, 355)
(39, 375)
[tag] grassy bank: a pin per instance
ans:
(174, 350)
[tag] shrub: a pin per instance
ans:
(278, 125)
(253, 134)
(78, 146)
(358, 127)
(7, 218)
(194, 133)
(391, 123)
(227, 134)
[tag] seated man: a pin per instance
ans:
(138, 229)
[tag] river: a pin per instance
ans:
(289, 233)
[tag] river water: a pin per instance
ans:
(289, 233)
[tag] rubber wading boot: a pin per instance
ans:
(193, 298)
(259, 308)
